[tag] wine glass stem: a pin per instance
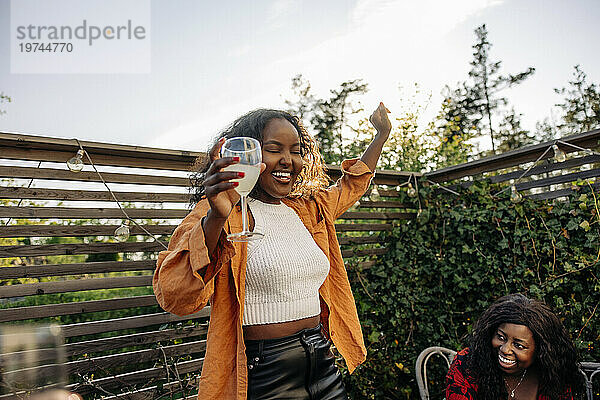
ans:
(244, 213)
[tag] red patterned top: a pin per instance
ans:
(460, 385)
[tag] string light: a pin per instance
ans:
(559, 155)
(526, 171)
(515, 196)
(82, 152)
(443, 187)
(588, 152)
(374, 194)
(75, 164)
(122, 232)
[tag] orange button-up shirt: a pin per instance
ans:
(186, 278)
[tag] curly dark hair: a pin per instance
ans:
(311, 178)
(555, 354)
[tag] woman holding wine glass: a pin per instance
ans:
(281, 296)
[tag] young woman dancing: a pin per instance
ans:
(276, 303)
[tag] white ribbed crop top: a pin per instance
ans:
(284, 269)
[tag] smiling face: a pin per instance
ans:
(515, 347)
(281, 155)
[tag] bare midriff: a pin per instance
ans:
(279, 330)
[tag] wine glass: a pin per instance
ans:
(250, 154)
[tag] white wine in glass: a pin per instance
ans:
(245, 184)
(250, 154)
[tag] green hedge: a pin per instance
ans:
(463, 252)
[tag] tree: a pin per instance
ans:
(578, 112)
(329, 118)
(409, 147)
(581, 105)
(546, 130)
(305, 103)
(510, 133)
(453, 134)
(472, 106)
(459, 114)
(4, 98)
(412, 145)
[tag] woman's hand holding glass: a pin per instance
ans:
(228, 176)
(218, 185)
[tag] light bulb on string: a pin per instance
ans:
(374, 196)
(559, 155)
(411, 191)
(515, 196)
(122, 232)
(75, 164)
(422, 215)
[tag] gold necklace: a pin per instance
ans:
(512, 392)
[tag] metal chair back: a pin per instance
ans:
(589, 370)
(421, 366)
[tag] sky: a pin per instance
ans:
(213, 61)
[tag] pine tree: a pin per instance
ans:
(305, 100)
(4, 98)
(581, 105)
(409, 147)
(472, 107)
(331, 118)
(578, 112)
(452, 135)
(511, 134)
(328, 117)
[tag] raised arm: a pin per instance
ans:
(382, 124)
(357, 174)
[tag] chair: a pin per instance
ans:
(421, 366)
(589, 370)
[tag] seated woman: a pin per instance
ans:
(518, 350)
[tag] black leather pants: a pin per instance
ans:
(300, 366)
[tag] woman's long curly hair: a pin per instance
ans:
(555, 354)
(311, 178)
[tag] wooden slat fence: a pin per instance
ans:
(60, 263)
(546, 180)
